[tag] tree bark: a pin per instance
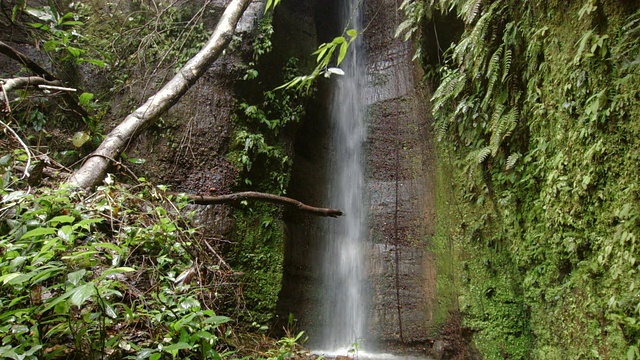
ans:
(95, 168)
(252, 195)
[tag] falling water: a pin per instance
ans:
(344, 304)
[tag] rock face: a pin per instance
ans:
(400, 177)
(400, 168)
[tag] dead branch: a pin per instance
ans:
(95, 168)
(68, 98)
(236, 198)
(27, 81)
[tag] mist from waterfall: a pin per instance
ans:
(344, 303)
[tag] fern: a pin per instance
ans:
(483, 154)
(511, 160)
(506, 64)
(470, 10)
(450, 88)
(492, 75)
(501, 127)
(441, 129)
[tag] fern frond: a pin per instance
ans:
(470, 10)
(483, 154)
(492, 75)
(502, 127)
(450, 88)
(441, 129)
(495, 118)
(506, 64)
(511, 160)
(510, 120)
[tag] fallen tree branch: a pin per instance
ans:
(27, 81)
(257, 196)
(68, 98)
(95, 168)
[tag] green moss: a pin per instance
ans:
(257, 252)
(548, 196)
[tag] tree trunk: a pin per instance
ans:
(95, 168)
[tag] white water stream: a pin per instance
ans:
(344, 304)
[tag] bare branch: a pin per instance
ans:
(27, 81)
(258, 196)
(71, 100)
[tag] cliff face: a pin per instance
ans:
(400, 172)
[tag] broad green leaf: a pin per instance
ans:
(72, 23)
(353, 33)
(75, 277)
(82, 293)
(65, 219)
(38, 232)
(66, 233)
(108, 309)
(80, 138)
(85, 98)
(177, 346)
(217, 320)
(118, 270)
(96, 62)
(42, 14)
(8, 277)
(80, 254)
(145, 353)
(84, 223)
(343, 52)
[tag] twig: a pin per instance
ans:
(26, 148)
(57, 88)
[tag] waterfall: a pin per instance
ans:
(344, 304)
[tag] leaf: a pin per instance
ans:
(85, 98)
(177, 346)
(343, 52)
(511, 161)
(137, 161)
(45, 14)
(353, 33)
(80, 138)
(108, 309)
(64, 219)
(217, 320)
(82, 293)
(109, 246)
(8, 277)
(75, 277)
(84, 223)
(118, 270)
(38, 232)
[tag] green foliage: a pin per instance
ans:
(258, 252)
(538, 103)
(325, 55)
(109, 275)
(59, 34)
(258, 147)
